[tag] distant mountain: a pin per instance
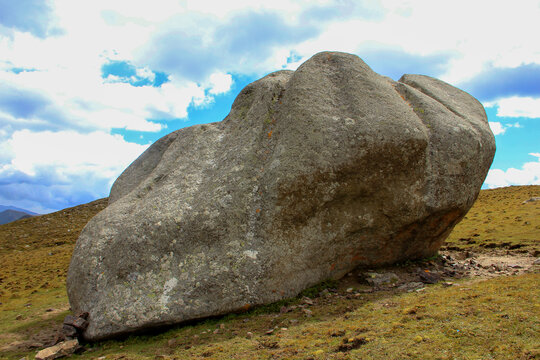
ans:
(8, 216)
(4, 207)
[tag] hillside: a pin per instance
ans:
(4, 207)
(8, 216)
(35, 252)
(485, 305)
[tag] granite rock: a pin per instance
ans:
(311, 174)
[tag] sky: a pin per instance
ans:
(87, 86)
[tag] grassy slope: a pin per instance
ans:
(34, 257)
(500, 219)
(494, 319)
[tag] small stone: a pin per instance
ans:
(80, 323)
(350, 290)
(216, 331)
(307, 312)
(429, 277)
(77, 322)
(222, 326)
(69, 330)
(411, 286)
(307, 301)
(269, 332)
(69, 319)
(249, 335)
(536, 262)
(65, 348)
(376, 279)
(19, 317)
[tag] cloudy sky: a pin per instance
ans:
(86, 86)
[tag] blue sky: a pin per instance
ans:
(85, 87)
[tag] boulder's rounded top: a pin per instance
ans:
(336, 59)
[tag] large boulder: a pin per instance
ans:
(312, 173)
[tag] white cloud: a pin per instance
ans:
(517, 107)
(499, 129)
(47, 171)
(529, 174)
(68, 69)
(146, 73)
(88, 101)
(220, 83)
(69, 152)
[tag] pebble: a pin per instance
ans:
(307, 300)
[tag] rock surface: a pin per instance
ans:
(65, 348)
(312, 173)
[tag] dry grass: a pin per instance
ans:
(500, 219)
(487, 319)
(35, 252)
